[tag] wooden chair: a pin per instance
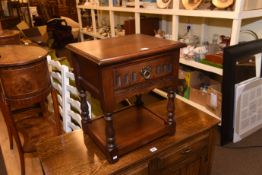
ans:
(25, 82)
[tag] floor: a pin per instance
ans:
(32, 163)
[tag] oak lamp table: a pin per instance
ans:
(118, 68)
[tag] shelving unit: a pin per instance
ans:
(201, 66)
(175, 12)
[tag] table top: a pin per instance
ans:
(8, 33)
(118, 49)
(14, 55)
(75, 153)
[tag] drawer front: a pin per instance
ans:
(141, 169)
(192, 152)
(138, 72)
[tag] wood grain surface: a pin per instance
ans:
(75, 153)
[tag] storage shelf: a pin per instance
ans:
(156, 11)
(181, 12)
(201, 66)
(124, 9)
(208, 13)
(95, 7)
(250, 14)
(196, 105)
(93, 34)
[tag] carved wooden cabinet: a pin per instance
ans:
(118, 68)
(188, 152)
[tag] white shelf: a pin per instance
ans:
(95, 7)
(250, 14)
(208, 13)
(93, 34)
(196, 105)
(124, 9)
(156, 11)
(201, 66)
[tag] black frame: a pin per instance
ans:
(232, 54)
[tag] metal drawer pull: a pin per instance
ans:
(146, 72)
(187, 150)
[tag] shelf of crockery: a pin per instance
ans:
(182, 12)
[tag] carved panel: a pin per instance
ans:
(135, 73)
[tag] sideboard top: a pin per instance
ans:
(109, 51)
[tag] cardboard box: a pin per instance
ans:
(210, 98)
(190, 80)
(252, 5)
(198, 96)
(214, 99)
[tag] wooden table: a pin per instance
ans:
(9, 36)
(118, 68)
(24, 82)
(188, 152)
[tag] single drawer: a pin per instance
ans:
(138, 72)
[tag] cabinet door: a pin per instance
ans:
(195, 166)
(190, 158)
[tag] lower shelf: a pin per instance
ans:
(201, 66)
(134, 127)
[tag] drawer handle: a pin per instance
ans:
(187, 150)
(146, 72)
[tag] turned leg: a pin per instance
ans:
(84, 111)
(42, 108)
(8, 124)
(14, 133)
(10, 135)
(139, 101)
(110, 139)
(171, 112)
(22, 163)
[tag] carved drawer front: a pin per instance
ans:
(138, 72)
(192, 154)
